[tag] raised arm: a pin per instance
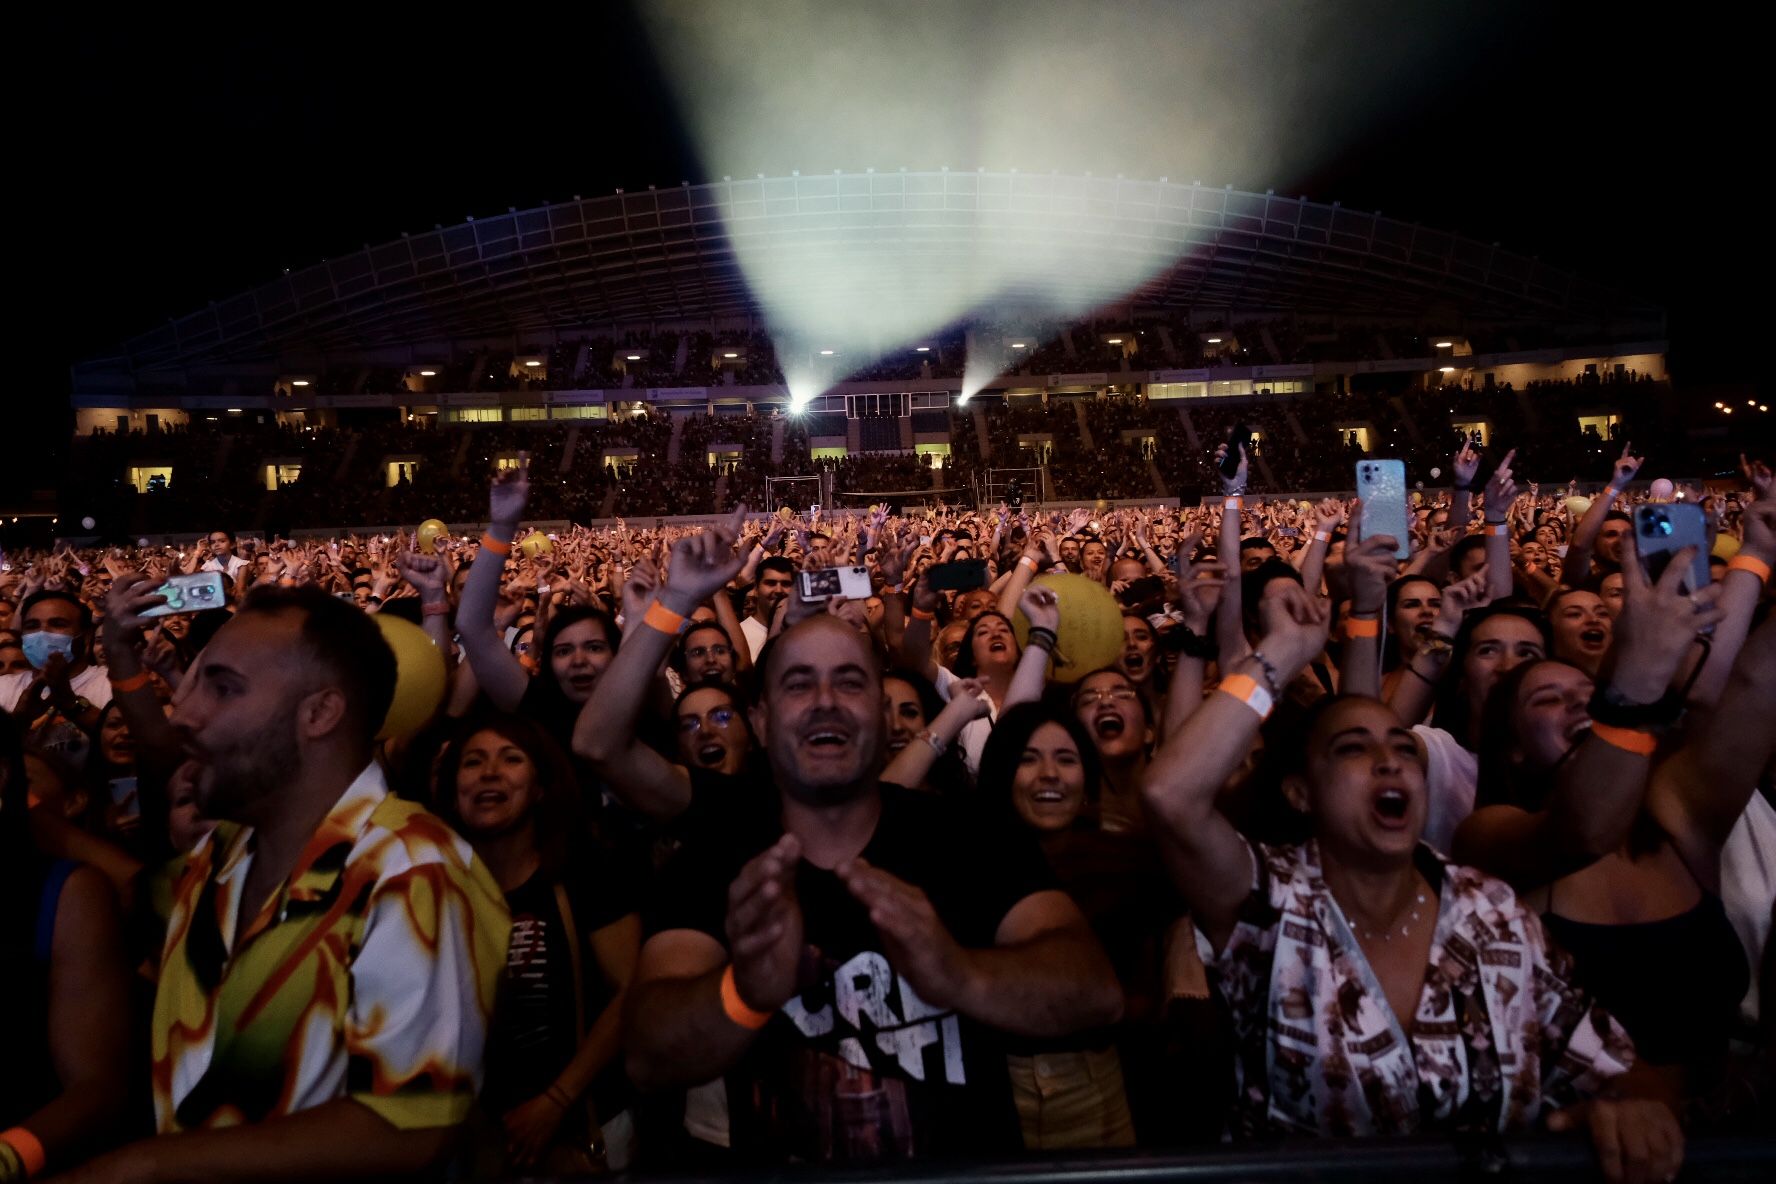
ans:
(1464, 467)
(1209, 861)
(1414, 693)
(1602, 785)
(1041, 606)
(604, 733)
(1328, 517)
(913, 763)
(1584, 537)
(1501, 491)
(496, 668)
(1371, 565)
(1199, 592)
(1230, 629)
(1741, 590)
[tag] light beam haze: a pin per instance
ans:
(1255, 94)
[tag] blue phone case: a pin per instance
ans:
(1382, 486)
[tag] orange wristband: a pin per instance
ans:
(1233, 503)
(1752, 564)
(1498, 529)
(1245, 688)
(920, 614)
(134, 682)
(735, 1007)
(1023, 560)
(1361, 627)
(494, 545)
(1626, 739)
(29, 1148)
(663, 619)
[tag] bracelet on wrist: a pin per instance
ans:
(27, 1147)
(495, 545)
(1043, 639)
(1750, 563)
(135, 682)
(1361, 627)
(1610, 708)
(934, 741)
(736, 1008)
(1194, 645)
(1245, 688)
(1626, 739)
(1268, 670)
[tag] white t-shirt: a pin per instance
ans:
(757, 633)
(1452, 774)
(92, 684)
(232, 571)
(973, 738)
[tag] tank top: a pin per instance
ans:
(1674, 984)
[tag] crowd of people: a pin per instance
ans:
(672, 849)
(1116, 446)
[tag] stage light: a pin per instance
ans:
(1445, 344)
(1446, 369)
(1017, 345)
(730, 355)
(428, 373)
(922, 349)
(234, 411)
(826, 353)
(300, 382)
(1726, 411)
(1214, 341)
(634, 357)
(532, 362)
(1718, 404)
(1763, 406)
(1116, 341)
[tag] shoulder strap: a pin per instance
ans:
(573, 939)
(48, 902)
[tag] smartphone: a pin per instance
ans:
(124, 798)
(1382, 486)
(1239, 437)
(194, 593)
(961, 576)
(1661, 531)
(853, 583)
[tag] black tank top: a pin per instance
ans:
(1674, 984)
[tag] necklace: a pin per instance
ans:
(1386, 934)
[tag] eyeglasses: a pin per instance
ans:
(719, 717)
(1113, 695)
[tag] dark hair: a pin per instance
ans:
(930, 702)
(563, 619)
(1256, 542)
(1072, 692)
(1390, 645)
(42, 594)
(1263, 811)
(1463, 548)
(1617, 516)
(676, 659)
(345, 643)
(735, 695)
(223, 531)
(1451, 713)
(557, 815)
(777, 563)
(1005, 751)
(1252, 585)
(965, 666)
(1503, 781)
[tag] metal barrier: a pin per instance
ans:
(1539, 1159)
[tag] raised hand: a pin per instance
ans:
(638, 589)
(1199, 590)
(764, 927)
(1759, 477)
(1370, 566)
(1295, 627)
(1465, 465)
(1460, 599)
(1041, 607)
(1626, 467)
(509, 493)
(425, 572)
(130, 596)
(1501, 490)
(1657, 626)
(703, 563)
(1236, 484)
(1328, 515)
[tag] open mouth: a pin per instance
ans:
(1048, 797)
(1134, 661)
(1577, 729)
(1390, 808)
(826, 739)
(1109, 727)
(490, 797)
(711, 755)
(1593, 638)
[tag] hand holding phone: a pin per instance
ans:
(853, 583)
(1381, 484)
(194, 593)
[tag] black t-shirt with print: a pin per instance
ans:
(531, 1038)
(857, 1068)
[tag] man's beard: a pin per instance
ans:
(232, 783)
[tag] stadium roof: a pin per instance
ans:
(669, 254)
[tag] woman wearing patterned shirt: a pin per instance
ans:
(1374, 988)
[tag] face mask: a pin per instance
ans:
(39, 647)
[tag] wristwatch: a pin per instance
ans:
(1610, 708)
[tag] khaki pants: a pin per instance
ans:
(1071, 1099)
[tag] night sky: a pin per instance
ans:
(164, 163)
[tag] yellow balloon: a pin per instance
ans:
(1306, 505)
(428, 534)
(1725, 546)
(1090, 633)
(1576, 506)
(536, 543)
(419, 677)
